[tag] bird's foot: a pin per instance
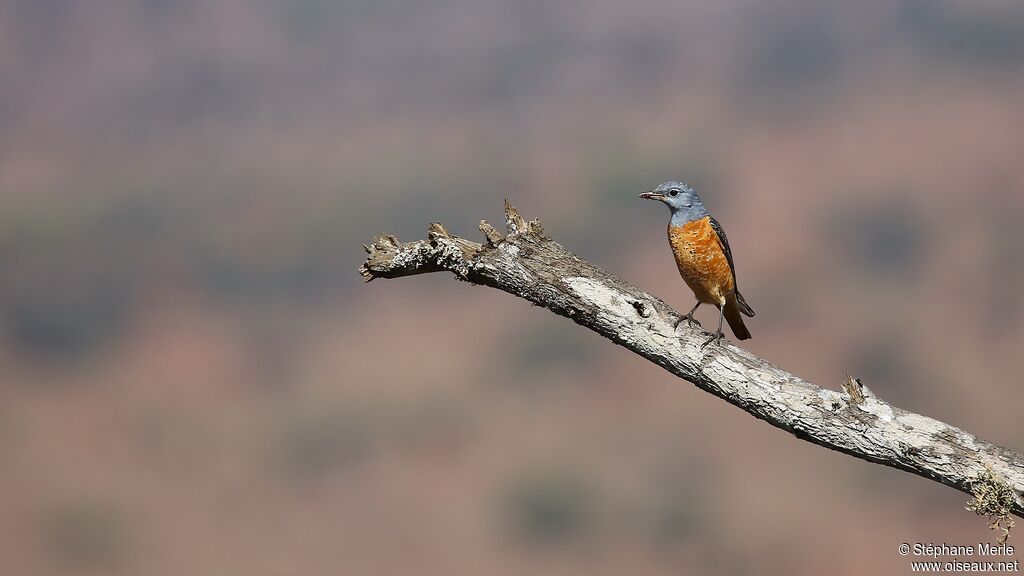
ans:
(688, 318)
(716, 338)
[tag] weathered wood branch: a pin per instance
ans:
(530, 265)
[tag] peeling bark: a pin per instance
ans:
(527, 264)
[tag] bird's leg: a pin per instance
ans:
(717, 336)
(688, 317)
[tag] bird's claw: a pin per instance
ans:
(688, 318)
(717, 338)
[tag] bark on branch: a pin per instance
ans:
(528, 264)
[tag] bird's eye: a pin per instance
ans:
(673, 192)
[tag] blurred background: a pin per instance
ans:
(194, 380)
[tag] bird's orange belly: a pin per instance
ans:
(701, 261)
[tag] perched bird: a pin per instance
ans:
(703, 257)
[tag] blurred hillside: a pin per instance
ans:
(194, 380)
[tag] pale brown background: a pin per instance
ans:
(193, 380)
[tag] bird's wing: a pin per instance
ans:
(725, 244)
(744, 307)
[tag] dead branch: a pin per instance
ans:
(527, 264)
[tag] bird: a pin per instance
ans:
(702, 254)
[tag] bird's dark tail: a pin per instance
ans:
(733, 308)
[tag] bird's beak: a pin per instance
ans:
(652, 195)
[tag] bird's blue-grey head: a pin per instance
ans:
(681, 199)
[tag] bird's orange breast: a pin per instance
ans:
(701, 261)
